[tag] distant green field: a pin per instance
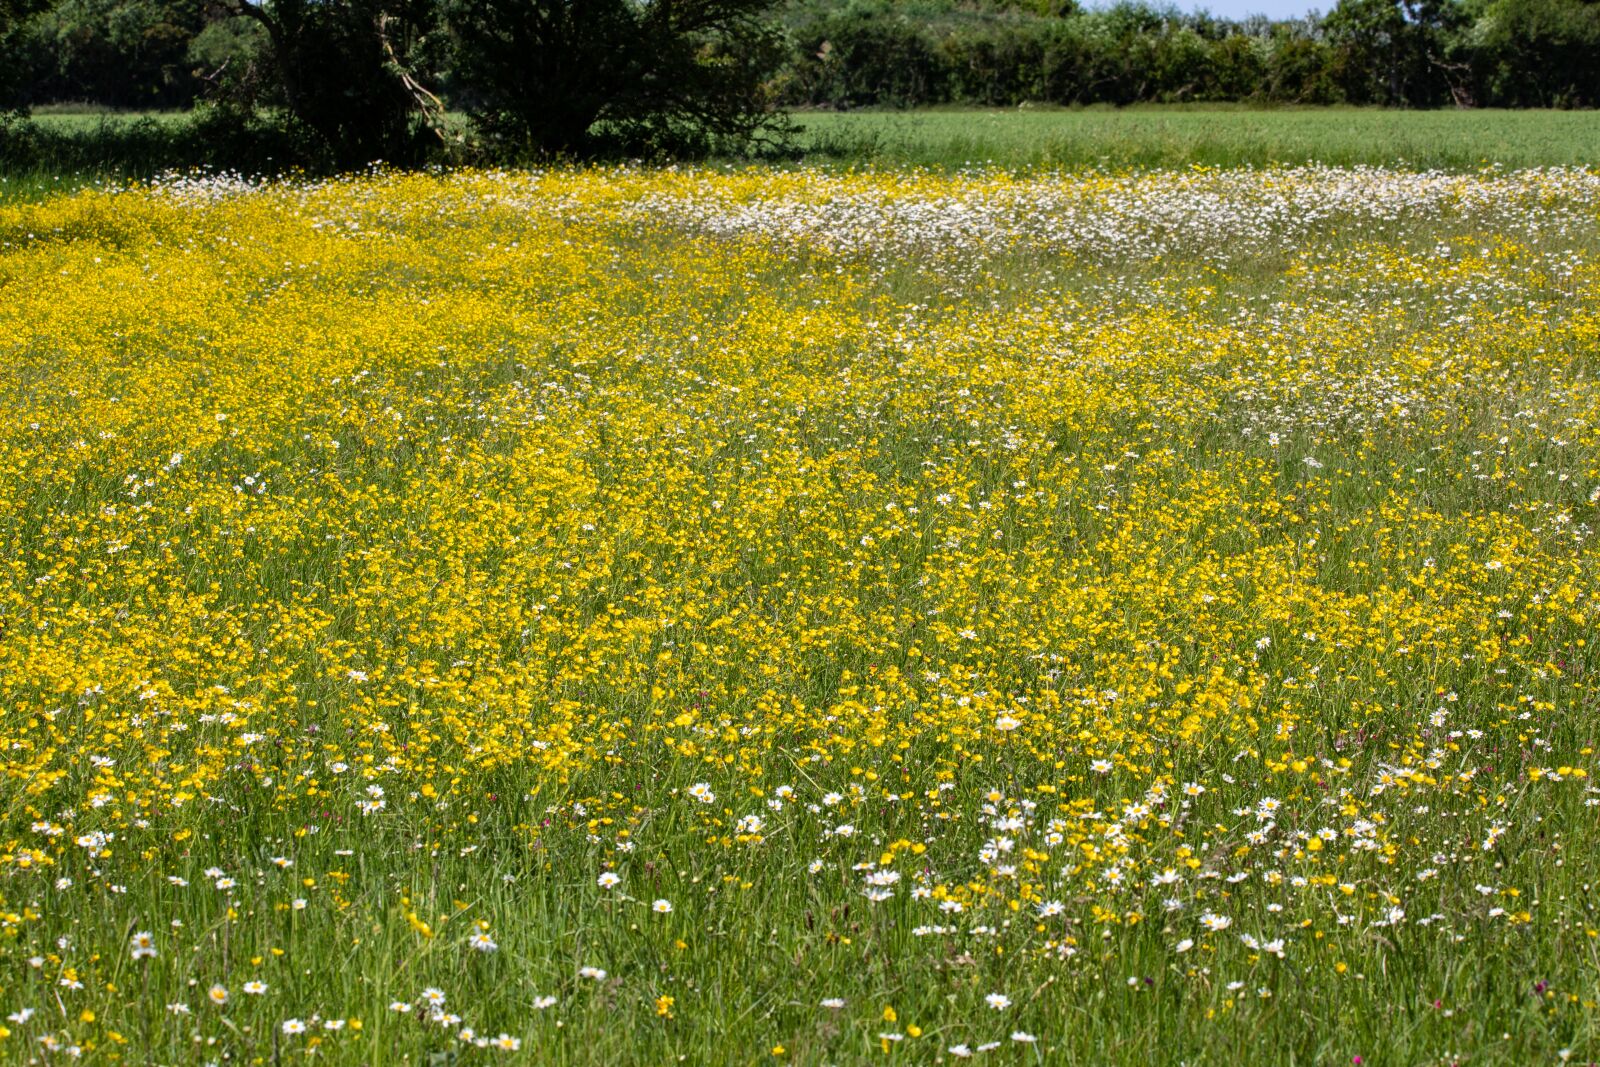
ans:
(87, 145)
(1214, 136)
(84, 115)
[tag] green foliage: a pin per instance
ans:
(18, 60)
(228, 56)
(1409, 53)
(122, 53)
(574, 76)
(114, 146)
(862, 55)
(1540, 53)
(878, 54)
(342, 72)
(13, 12)
(1395, 52)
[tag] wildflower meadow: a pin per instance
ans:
(732, 616)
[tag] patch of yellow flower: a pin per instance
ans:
(994, 568)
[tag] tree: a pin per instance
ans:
(15, 71)
(575, 76)
(346, 71)
(1373, 49)
(125, 53)
(1400, 52)
(13, 12)
(1540, 53)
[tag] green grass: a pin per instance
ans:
(1153, 137)
(71, 114)
(82, 145)
(72, 147)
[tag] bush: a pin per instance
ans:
(680, 77)
(342, 72)
(142, 148)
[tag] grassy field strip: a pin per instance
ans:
(1153, 137)
(88, 147)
